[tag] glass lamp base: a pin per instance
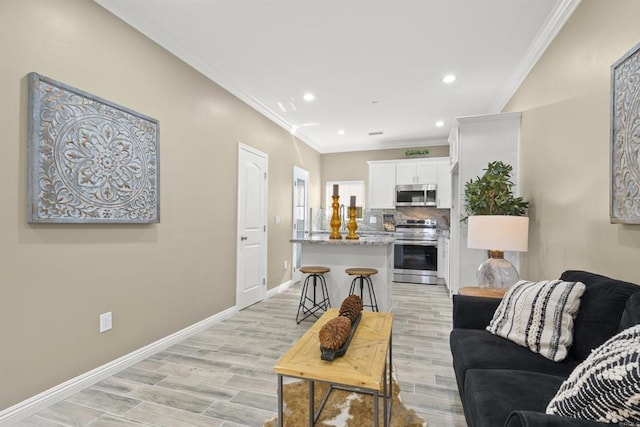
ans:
(497, 273)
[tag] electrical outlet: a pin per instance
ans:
(105, 322)
(286, 264)
(373, 220)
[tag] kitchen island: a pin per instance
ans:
(371, 251)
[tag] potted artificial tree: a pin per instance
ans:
(497, 222)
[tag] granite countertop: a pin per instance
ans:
(360, 232)
(323, 239)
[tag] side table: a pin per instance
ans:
(477, 291)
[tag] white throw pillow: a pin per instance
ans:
(605, 387)
(539, 316)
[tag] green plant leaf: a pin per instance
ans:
(492, 194)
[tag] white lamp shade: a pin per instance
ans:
(498, 232)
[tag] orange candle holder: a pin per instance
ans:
(335, 219)
(353, 225)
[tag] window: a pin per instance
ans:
(346, 189)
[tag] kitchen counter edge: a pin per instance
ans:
(366, 240)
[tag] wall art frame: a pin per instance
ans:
(625, 139)
(89, 159)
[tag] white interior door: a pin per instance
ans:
(251, 268)
(300, 218)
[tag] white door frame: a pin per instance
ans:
(248, 237)
(298, 174)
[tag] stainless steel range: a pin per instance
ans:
(416, 252)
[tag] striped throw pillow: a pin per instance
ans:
(539, 316)
(605, 387)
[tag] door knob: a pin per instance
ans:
(243, 237)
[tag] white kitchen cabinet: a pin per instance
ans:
(416, 172)
(443, 259)
(427, 172)
(382, 184)
(443, 191)
(480, 140)
(405, 173)
(446, 254)
(440, 257)
(454, 145)
(384, 175)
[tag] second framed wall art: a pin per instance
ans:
(625, 139)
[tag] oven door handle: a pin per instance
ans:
(416, 242)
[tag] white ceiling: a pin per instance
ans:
(373, 65)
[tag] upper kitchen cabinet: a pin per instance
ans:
(443, 190)
(416, 172)
(454, 145)
(384, 175)
(382, 184)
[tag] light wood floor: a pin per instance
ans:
(224, 375)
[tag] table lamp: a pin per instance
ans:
(498, 233)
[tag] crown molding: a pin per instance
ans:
(548, 32)
(386, 145)
(139, 20)
(483, 118)
(152, 30)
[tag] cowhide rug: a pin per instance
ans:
(343, 408)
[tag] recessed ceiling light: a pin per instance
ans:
(309, 96)
(449, 78)
(341, 132)
(439, 123)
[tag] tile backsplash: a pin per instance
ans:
(320, 218)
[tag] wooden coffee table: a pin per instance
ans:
(362, 369)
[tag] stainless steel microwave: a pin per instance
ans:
(416, 195)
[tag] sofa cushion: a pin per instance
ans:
(478, 349)
(539, 316)
(492, 394)
(600, 312)
(606, 385)
(631, 313)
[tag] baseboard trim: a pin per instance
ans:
(280, 288)
(37, 403)
(41, 401)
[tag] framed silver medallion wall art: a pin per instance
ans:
(625, 139)
(89, 160)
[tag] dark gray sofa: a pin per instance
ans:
(503, 384)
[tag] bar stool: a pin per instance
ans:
(363, 275)
(309, 306)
